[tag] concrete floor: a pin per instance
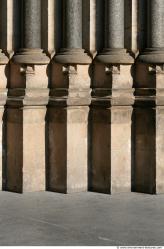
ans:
(47, 218)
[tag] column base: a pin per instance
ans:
(31, 56)
(114, 56)
(72, 56)
(152, 56)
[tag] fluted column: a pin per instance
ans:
(26, 107)
(72, 51)
(154, 53)
(111, 109)
(114, 51)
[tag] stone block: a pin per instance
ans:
(148, 134)
(67, 149)
(144, 151)
(25, 149)
(112, 76)
(110, 166)
(28, 76)
(70, 76)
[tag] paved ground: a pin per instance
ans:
(81, 219)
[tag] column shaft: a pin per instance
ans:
(73, 24)
(31, 52)
(155, 23)
(154, 53)
(114, 51)
(115, 24)
(72, 53)
(32, 24)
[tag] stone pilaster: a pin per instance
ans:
(68, 109)
(26, 107)
(110, 117)
(149, 104)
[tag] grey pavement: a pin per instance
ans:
(52, 219)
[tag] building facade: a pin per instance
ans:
(82, 95)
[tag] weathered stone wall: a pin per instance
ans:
(82, 95)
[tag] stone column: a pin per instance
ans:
(26, 107)
(31, 52)
(114, 51)
(72, 51)
(68, 108)
(149, 106)
(110, 123)
(154, 53)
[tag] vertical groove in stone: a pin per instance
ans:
(155, 23)
(115, 23)
(73, 23)
(32, 23)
